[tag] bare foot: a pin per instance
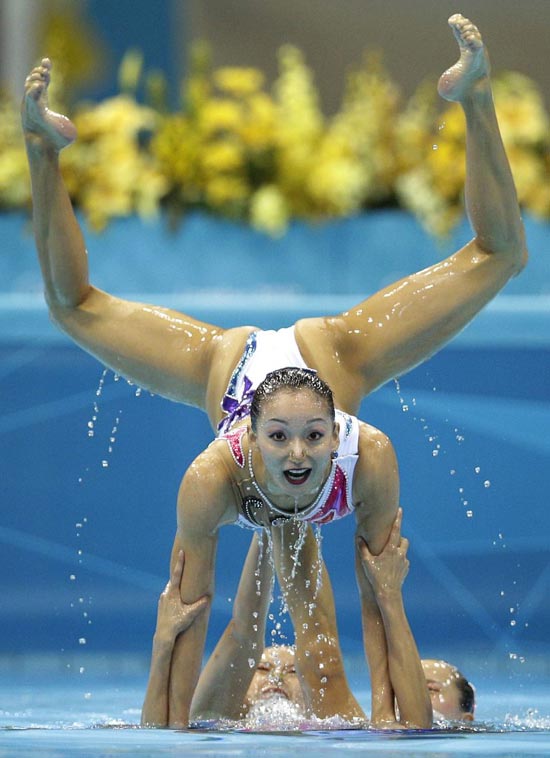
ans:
(40, 124)
(472, 68)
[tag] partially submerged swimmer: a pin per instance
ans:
(452, 695)
(229, 689)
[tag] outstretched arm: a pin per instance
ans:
(385, 574)
(205, 502)
(225, 679)
(376, 494)
(173, 618)
(307, 591)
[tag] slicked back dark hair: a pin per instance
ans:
(467, 697)
(289, 379)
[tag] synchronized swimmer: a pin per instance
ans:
(288, 457)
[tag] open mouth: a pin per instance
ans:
(297, 475)
(270, 691)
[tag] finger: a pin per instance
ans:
(363, 549)
(176, 574)
(195, 609)
(404, 545)
(395, 534)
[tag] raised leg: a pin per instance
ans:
(161, 350)
(396, 329)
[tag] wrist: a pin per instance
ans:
(389, 597)
(164, 640)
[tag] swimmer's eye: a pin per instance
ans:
(316, 436)
(277, 436)
(290, 669)
(262, 666)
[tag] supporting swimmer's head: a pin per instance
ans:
(452, 695)
(289, 379)
(276, 675)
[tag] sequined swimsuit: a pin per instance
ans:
(266, 351)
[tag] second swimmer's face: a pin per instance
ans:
(442, 680)
(296, 435)
(276, 676)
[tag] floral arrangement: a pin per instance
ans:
(267, 157)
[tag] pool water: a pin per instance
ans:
(59, 715)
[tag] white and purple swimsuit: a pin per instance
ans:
(267, 351)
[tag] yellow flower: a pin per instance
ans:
(239, 82)
(269, 211)
(219, 115)
(259, 124)
(221, 191)
(221, 156)
(14, 178)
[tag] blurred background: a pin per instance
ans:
(249, 32)
(89, 466)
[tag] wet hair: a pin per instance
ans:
(289, 378)
(466, 693)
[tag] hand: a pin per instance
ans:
(173, 615)
(386, 572)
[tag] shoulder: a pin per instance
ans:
(206, 498)
(375, 486)
(376, 450)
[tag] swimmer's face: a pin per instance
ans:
(276, 675)
(442, 679)
(295, 435)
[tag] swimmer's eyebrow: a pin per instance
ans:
(309, 421)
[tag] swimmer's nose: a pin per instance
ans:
(296, 452)
(276, 675)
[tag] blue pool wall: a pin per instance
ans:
(85, 546)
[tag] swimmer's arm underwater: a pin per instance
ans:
(385, 573)
(224, 681)
(173, 618)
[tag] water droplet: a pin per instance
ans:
(251, 662)
(81, 670)
(487, 484)
(82, 640)
(72, 577)
(469, 514)
(87, 695)
(405, 408)
(434, 147)
(105, 463)
(477, 469)
(513, 622)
